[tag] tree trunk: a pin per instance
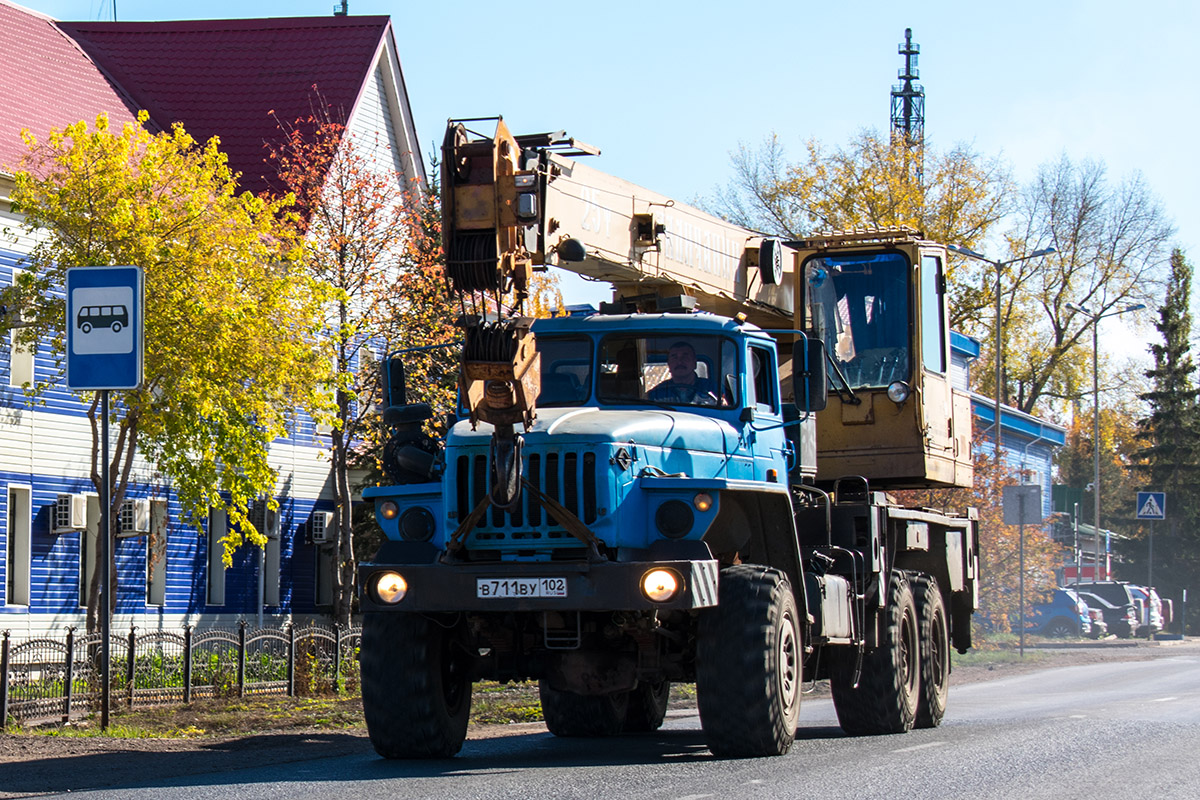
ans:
(344, 560)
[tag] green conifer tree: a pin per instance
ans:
(1170, 459)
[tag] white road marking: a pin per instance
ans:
(925, 746)
(1163, 699)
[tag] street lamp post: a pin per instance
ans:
(1096, 317)
(999, 266)
(996, 428)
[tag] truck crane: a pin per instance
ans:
(690, 486)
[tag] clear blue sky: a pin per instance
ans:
(668, 89)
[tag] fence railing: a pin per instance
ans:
(48, 678)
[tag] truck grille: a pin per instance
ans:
(570, 478)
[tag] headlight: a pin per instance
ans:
(674, 519)
(898, 392)
(390, 588)
(416, 524)
(660, 585)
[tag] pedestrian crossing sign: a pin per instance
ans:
(1152, 505)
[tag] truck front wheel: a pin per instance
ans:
(885, 699)
(416, 686)
(749, 663)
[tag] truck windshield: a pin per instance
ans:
(858, 305)
(677, 369)
(566, 370)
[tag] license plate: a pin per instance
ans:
(502, 588)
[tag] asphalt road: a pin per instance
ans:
(1111, 730)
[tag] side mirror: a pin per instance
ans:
(809, 382)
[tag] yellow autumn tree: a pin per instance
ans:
(228, 320)
(999, 544)
(954, 197)
(545, 295)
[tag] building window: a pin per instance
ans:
(89, 548)
(267, 523)
(20, 370)
(324, 593)
(218, 524)
(271, 557)
(156, 554)
(20, 362)
(17, 542)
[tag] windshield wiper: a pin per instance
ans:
(848, 396)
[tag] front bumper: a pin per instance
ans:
(602, 586)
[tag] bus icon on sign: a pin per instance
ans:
(112, 317)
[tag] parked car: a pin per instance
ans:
(1099, 626)
(1066, 615)
(1116, 603)
(1151, 619)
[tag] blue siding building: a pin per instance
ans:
(169, 570)
(1027, 442)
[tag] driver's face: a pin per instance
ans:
(681, 361)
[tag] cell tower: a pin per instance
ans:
(908, 98)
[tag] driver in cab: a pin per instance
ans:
(684, 385)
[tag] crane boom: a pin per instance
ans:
(640, 240)
(516, 204)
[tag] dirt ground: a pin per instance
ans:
(280, 731)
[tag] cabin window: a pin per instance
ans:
(933, 340)
(858, 304)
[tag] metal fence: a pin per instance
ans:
(46, 679)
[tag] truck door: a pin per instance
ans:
(766, 449)
(936, 391)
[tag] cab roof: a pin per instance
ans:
(601, 324)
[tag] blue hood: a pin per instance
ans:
(649, 427)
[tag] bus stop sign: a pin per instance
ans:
(104, 327)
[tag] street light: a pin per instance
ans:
(1096, 317)
(999, 265)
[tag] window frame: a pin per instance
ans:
(18, 559)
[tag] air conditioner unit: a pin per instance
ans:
(264, 519)
(70, 513)
(324, 528)
(134, 519)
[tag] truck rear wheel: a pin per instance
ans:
(935, 652)
(885, 699)
(570, 714)
(647, 707)
(416, 687)
(749, 664)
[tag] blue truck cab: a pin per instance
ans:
(625, 469)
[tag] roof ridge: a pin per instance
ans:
(256, 23)
(25, 10)
(118, 88)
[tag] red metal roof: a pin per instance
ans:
(236, 79)
(47, 82)
(225, 77)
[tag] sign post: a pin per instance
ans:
(105, 308)
(1151, 506)
(1022, 504)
